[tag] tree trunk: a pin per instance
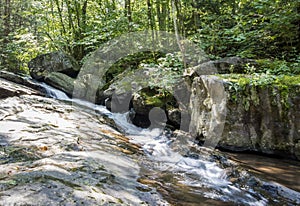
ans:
(162, 10)
(128, 13)
(150, 19)
(6, 23)
(178, 38)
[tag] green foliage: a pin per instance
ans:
(244, 88)
(131, 62)
(166, 73)
(251, 29)
(260, 29)
(288, 80)
(163, 78)
(279, 67)
(173, 61)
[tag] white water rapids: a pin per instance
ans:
(193, 172)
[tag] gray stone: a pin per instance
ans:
(223, 66)
(174, 116)
(260, 123)
(21, 79)
(10, 89)
(60, 81)
(44, 64)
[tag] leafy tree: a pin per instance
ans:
(247, 28)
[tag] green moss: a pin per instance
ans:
(155, 101)
(243, 87)
(155, 98)
(288, 80)
(287, 85)
(243, 82)
(261, 80)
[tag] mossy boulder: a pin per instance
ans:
(60, 81)
(257, 117)
(149, 98)
(44, 64)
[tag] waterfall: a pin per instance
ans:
(54, 93)
(205, 176)
(154, 141)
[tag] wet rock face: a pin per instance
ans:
(21, 80)
(9, 89)
(258, 123)
(44, 64)
(60, 81)
(53, 153)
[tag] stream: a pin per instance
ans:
(138, 166)
(188, 178)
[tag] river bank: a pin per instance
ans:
(280, 170)
(74, 152)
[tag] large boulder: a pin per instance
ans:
(261, 119)
(60, 81)
(148, 100)
(44, 64)
(222, 66)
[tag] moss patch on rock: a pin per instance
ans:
(154, 98)
(244, 86)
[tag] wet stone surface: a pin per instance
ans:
(54, 153)
(59, 153)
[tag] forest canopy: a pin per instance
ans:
(257, 29)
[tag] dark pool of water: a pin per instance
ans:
(282, 171)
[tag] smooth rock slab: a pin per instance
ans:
(9, 89)
(55, 153)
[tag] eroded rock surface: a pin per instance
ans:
(55, 153)
(9, 89)
(259, 121)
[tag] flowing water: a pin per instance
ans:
(187, 174)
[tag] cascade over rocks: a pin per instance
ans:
(257, 121)
(56, 153)
(60, 81)
(130, 91)
(53, 153)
